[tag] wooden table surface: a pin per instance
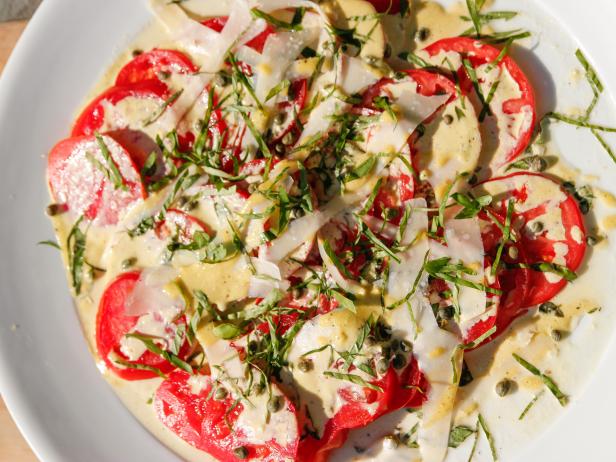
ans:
(13, 447)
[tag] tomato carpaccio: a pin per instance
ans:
(289, 250)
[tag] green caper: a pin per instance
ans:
(551, 308)
(56, 209)
(275, 404)
(584, 206)
(163, 75)
(537, 164)
(395, 344)
(280, 118)
(592, 240)
(406, 346)
(536, 227)
(220, 394)
(253, 345)
(279, 148)
(390, 442)
(129, 263)
(305, 364)
(136, 52)
(558, 335)
(504, 387)
(423, 34)
(287, 139)
(241, 452)
(382, 366)
(399, 361)
(259, 388)
(382, 330)
(448, 119)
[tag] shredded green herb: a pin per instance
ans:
(546, 379)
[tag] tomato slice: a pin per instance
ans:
(409, 389)
(75, 171)
(94, 117)
(187, 406)
(257, 43)
(550, 224)
(151, 64)
(112, 324)
(516, 115)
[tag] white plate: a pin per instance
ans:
(47, 376)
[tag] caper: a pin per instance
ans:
(382, 366)
(275, 404)
(569, 187)
(280, 118)
(395, 344)
(504, 387)
(305, 364)
(423, 34)
(220, 394)
(259, 388)
(383, 331)
(129, 263)
(513, 252)
(448, 119)
(241, 452)
(137, 52)
(56, 209)
(592, 240)
(399, 361)
(558, 335)
(536, 227)
(551, 308)
(253, 345)
(406, 346)
(537, 163)
(287, 139)
(163, 75)
(584, 206)
(390, 442)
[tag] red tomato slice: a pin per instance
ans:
(561, 236)
(149, 66)
(215, 426)
(257, 43)
(93, 118)
(112, 324)
(408, 389)
(182, 224)
(83, 187)
(479, 53)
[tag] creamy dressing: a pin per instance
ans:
(455, 148)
